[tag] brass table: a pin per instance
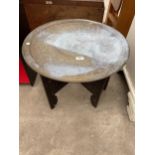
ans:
(75, 50)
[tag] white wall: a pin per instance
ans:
(131, 62)
(129, 71)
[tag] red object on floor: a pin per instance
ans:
(23, 78)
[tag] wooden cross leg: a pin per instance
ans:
(51, 88)
(96, 88)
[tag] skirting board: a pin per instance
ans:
(131, 96)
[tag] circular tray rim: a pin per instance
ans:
(31, 62)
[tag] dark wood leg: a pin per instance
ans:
(106, 83)
(94, 99)
(96, 88)
(120, 72)
(31, 74)
(51, 87)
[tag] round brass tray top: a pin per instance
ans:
(75, 50)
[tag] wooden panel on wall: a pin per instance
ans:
(126, 16)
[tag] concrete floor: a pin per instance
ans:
(75, 127)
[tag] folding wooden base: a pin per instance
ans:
(52, 87)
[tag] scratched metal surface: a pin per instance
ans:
(75, 50)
